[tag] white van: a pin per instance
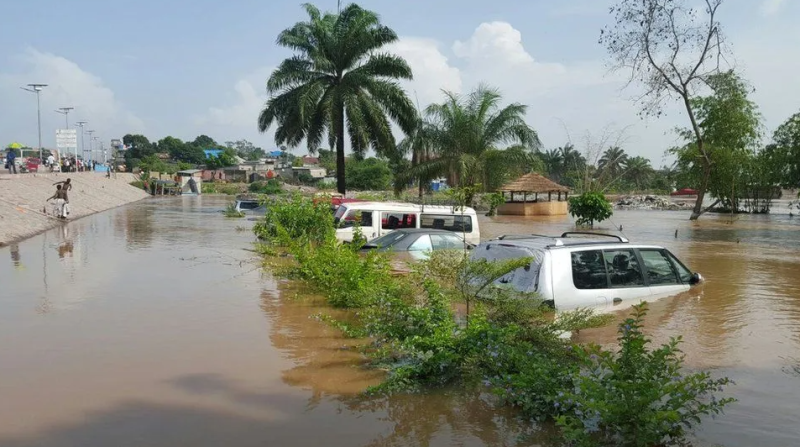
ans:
(379, 218)
(588, 269)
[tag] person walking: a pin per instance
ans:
(11, 161)
(65, 185)
(61, 199)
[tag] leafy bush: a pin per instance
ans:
(635, 397)
(228, 189)
(589, 208)
(369, 174)
(269, 187)
(230, 211)
(494, 200)
(296, 219)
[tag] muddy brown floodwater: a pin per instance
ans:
(153, 325)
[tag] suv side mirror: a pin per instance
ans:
(696, 279)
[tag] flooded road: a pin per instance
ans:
(153, 325)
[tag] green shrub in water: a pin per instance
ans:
(635, 397)
(295, 219)
(590, 207)
(269, 187)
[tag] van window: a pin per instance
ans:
(351, 217)
(660, 271)
(589, 270)
(450, 222)
(623, 268)
(394, 221)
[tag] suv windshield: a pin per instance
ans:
(524, 279)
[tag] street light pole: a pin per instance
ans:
(65, 111)
(83, 150)
(36, 88)
(90, 132)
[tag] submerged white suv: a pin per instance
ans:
(581, 269)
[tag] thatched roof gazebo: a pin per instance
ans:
(533, 184)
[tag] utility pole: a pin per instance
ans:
(65, 111)
(36, 88)
(83, 146)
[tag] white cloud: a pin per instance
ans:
(68, 86)
(432, 70)
(771, 7)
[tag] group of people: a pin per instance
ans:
(61, 199)
(69, 164)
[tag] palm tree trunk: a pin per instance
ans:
(340, 180)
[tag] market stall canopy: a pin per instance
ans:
(533, 183)
(16, 145)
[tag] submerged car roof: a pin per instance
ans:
(566, 240)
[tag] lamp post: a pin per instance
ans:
(36, 88)
(83, 150)
(65, 111)
(90, 132)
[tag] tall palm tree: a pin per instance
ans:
(613, 162)
(553, 163)
(419, 145)
(638, 171)
(467, 134)
(338, 78)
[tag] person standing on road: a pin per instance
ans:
(11, 161)
(61, 200)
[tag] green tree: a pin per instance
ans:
(246, 149)
(139, 147)
(327, 159)
(297, 162)
(417, 143)
(467, 134)
(613, 163)
(370, 174)
(553, 163)
(205, 142)
(673, 49)
(729, 124)
(338, 74)
(638, 172)
(180, 151)
(590, 207)
(787, 137)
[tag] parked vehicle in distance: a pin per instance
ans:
(418, 242)
(32, 164)
(379, 218)
(250, 205)
(589, 269)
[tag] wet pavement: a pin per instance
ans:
(154, 325)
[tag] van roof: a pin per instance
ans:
(401, 206)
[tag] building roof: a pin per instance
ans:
(535, 183)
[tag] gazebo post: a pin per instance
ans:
(536, 198)
(549, 196)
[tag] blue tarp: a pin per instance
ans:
(212, 152)
(275, 154)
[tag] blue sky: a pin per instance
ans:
(181, 68)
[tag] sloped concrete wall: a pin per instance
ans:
(23, 199)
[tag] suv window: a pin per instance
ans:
(683, 272)
(448, 222)
(623, 268)
(660, 270)
(589, 270)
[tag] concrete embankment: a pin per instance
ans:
(23, 199)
